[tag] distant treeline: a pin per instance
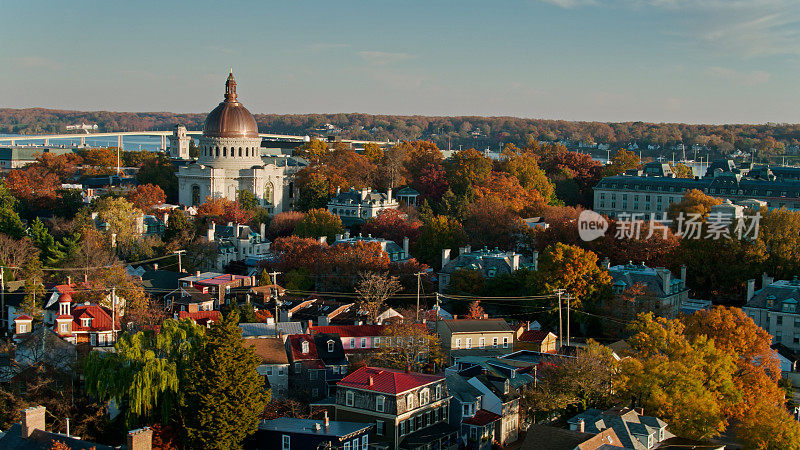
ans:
(466, 131)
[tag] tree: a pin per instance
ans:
(507, 190)
(10, 222)
(313, 150)
(148, 314)
(626, 306)
(283, 224)
(439, 233)
(121, 218)
(224, 394)
(466, 282)
(489, 223)
(220, 210)
(147, 372)
(314, 192)
(319, 222)
(694, 201)
(145, 196)
(34, 288)
(373, 290)
(684, 380)
(523, 165)
(475, 310)
(179, 232)
(779, 238)
(682, 170)
(16, 253)
(408, 345)
(621, 162)
(373, 152)
(247, 200)
(159, 171)
(394, 225)
(467, 168)
(573, 269)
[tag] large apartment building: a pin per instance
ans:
(774, 308)
(652, 189)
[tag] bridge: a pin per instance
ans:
(120, 135)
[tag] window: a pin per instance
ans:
(363, 342)
(304, 346)
(458, 343)
(364, 442)
(312, 374)
(505, 342)
(380, 403)
(348, 398)
(379, 427)
(424, 396)
(280, 370)
(437, 412)
(780, 320)
(494, 342)
(86, 321)
(482, 342)
(352, 342)
(286, 442)
(330, 346)
(466, 410)
(438, 391)
(269, 370)
(335, 369)
(403, 426)
(346, 446)
(409, 402)
(469, 343)
(315, 392)
(376, 341)
(64, 327)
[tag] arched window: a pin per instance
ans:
(224, 151)
(247, 151)
(195, 195)
(217, 152)
(240, 152)
(269, 191)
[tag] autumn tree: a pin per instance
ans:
(621, 162)
(121, 218)
(180, 230)
(224, 395)
(467, 168)
(408, 345)
(523, 165)
(319, 222)
(489, 223)
(373, 152)
(394, 225)
(573, 269)
(779, 239)
(15, 254)
(466, 282)
(159, 171)
(475, 310)
(145, 196)
(624, 307)
(685, 380)
(694, 201)
(221, 211)
(507, 190)
(373, 290)
(312, 150)
(284, 223)
(682, 170)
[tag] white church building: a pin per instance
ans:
(230, 160)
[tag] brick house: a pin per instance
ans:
(409, 410)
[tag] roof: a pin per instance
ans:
(101, 318)
(269, 350)
(264, 329)
(388, 381)
(230, 119)
(484, 261)
(307, 426)
(40, 439)
(201, 317)
(335, 357)
(461, 390)
(625, 421)
(775, 294)
(482, 417)
(476, 325)
(534, 335)
(294, 343)
(632, 274)
(347, 331)
(543, 437)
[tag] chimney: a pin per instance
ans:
(211, 231)
(32, 420)
(683, 273)
(666, 279)
(141, 439)
(581, 426)
(535, 260)
(325, 420)
(86, 278)
(751, 288)
(606, 264)
(389, 195)
(69, 280)
(323, 239)
(263, 229)
(166, 219)
(197, 274)
(514, 261)
(371, 381)
(339, 237)
(338, 190)
(445, 257)
(155, 266)
(347, 234)
(405, 247)
(364, 192)
(766, 280)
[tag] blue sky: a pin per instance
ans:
(696, 61)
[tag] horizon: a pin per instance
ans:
(651, 61)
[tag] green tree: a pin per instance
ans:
(621, 162)
(44, 241)
(314, 194)
(224, 394)
(179, 232)
(467, 168)
(314, 150)
(318, 223)
(146, 373)
(10, 222)
(34, 288)
(247, 200)
(439, 233)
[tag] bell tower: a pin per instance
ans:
(179, 143)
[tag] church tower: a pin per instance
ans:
(179, 143)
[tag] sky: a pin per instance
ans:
(690, 61)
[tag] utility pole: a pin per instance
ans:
(179, 253)
(569, 297)
(114, 314)
(273, 278)
(3, 297)
(418, 283)
(559, 293)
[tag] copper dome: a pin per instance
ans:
(230, 119)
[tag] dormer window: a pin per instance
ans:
(330, 346)
(86, 321)
(304, 347)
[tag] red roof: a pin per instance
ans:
(388, 381)
(24, 317)
(200, 317)
(262, 315)
(64, 316)
(101, 318)
(350, 330)
(533, 335)
(296, 347)
(482, 417)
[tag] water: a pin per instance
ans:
(149, 143)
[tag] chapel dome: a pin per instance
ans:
(230, 119)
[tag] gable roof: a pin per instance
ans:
(101, 318)
(201, 317)
(387, 381)
(295, 345)
(476, 325)
(348, 331)
(269, 350)
(269, 329)
(534, 335)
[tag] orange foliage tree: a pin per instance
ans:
(145, 196)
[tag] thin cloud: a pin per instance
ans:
(570, 4)
(383, 58)
(744, 78)
(327, 46)
(37, 62)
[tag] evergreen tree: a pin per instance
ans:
(34, 288)
(10, 222)
(44, 241)
(224, 395)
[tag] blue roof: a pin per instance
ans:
(307, 426)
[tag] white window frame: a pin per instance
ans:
(86, 321)
(304, 347)
(424, 396)
(469, 344)
(352, 342)
(330, 346)
(286, 442)
(409, 402)
(380, 427)
(64, 327)
(494, 342)
(482, 342)
(347, 445)
(349, 398)
(365, 442)
(380, 403)
(363, 342)
(458, 342)
(505, 342)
